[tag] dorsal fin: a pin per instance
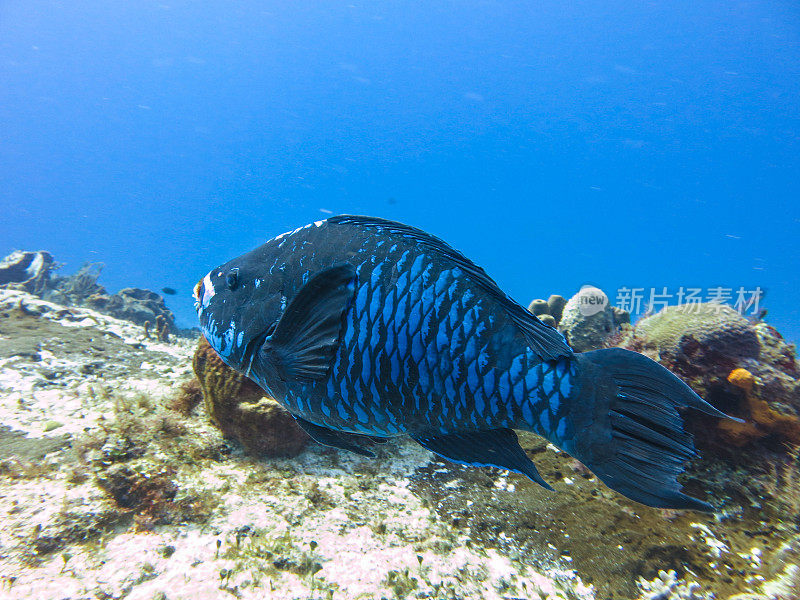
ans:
(545, 341)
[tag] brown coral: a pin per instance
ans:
(764, 421)
(241, 409)
(161, 329)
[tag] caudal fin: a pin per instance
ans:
(632, 436)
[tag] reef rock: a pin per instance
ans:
(73, 290)
(588, 320)
(26, 271)
(133, 304)
(242, 411)
(33, 272)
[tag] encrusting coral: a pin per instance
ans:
(242, 411)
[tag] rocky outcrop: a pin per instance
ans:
(26, 271)
(33, 272)
(137, 305)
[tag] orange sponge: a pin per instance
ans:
(763, 420)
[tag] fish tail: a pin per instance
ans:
(625, 426)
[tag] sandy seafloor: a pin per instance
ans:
(105, 492)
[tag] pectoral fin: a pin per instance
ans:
(308, 332)
(489, 448)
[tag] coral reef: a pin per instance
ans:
(160, 329)
(706, 335)
(584, 330)
(242, 411)
(17, 445)
(114, 485)
(743, 367)
(26, 271)
(553, 307)
(188, 397)
(668, 587)
(130, 499)
(76, 289)
(138, 306)
(33, 272)
(538, 307)
(151, 495)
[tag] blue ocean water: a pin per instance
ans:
(625, 144)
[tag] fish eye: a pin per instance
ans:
(232, 279)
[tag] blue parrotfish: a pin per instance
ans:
(366, 329)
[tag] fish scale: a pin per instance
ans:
(468, 396)
(366, 327)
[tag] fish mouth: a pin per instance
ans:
(197, 293)
(202, 292)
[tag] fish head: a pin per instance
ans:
(238, 306)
